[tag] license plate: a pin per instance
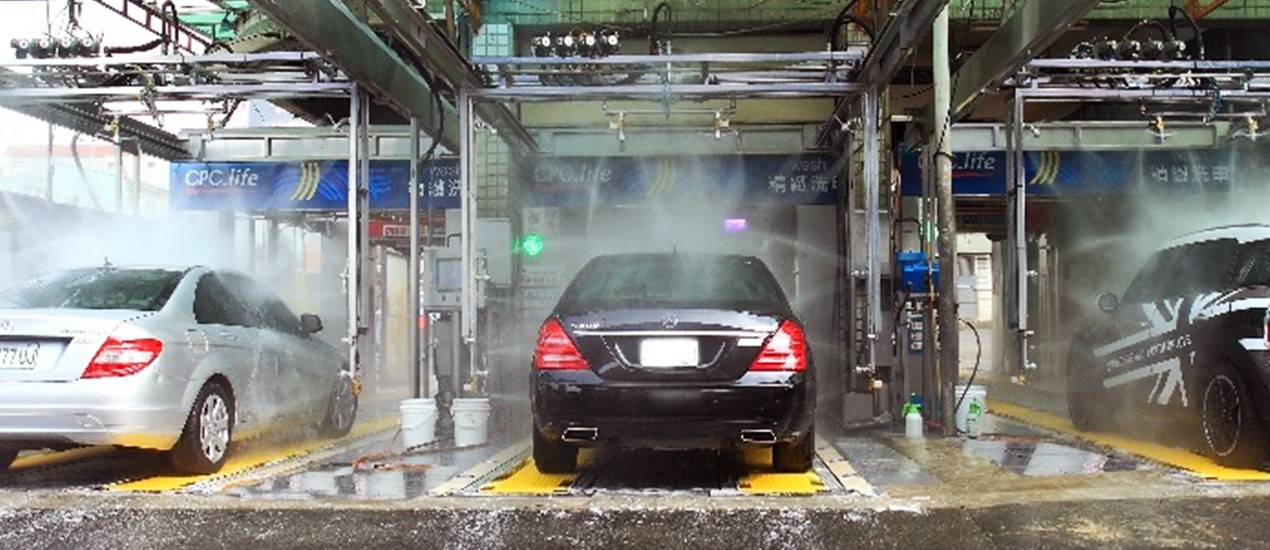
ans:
(669, 352)
(19, 355)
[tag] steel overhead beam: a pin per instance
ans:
(437, 54)
(907, 25)
(147, 17)
(87, 119)
(329, 27)
(1032, 28)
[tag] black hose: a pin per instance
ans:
(1199, 34)
(654, 39)
(169, 26)
(112, 50)
(1165, 35)
(843, 18)
(973, 372)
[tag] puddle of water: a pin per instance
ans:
(1034, 458)
(395, 478)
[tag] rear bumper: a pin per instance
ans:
(87, 412)
(678, 415)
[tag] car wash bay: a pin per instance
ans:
(434, 220)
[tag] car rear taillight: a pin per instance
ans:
(556, 350)
(1266, 324)
(784, 351)
(123, 357)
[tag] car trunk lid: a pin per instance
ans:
(670, 344)
(54, 345)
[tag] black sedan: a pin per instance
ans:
(1190, 340)
(672, 351)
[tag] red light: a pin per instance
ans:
(1267, 327)
(784, 351)
(123, 357)
(556, 351)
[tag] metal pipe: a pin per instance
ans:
(118, 167)
(787, 89)
(415, 374)
(136, 179)
(947, 368)
(1019, 184)
(363, 221)
(350, 281)
(48, 185)
(873, 223)
(467, 213)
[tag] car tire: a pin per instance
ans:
(554, 457)
(205, 440)
(1086, 405)
(1231, 431)
(796, 456)
(7, 456)
(341, 410)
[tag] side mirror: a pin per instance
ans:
(310, 323)
(1108, 303)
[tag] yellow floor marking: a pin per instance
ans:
(463, 480)
(1170, 456)
(527, 480)
(842, 469)
(49, 458)
(761, 479)
(248, 457)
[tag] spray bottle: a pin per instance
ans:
(913, 417)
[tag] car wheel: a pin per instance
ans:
(554, 457)
(1086, 405)
(7, 456)
(204, 443)
(1233, 434)
(341, 410)
(796, 456)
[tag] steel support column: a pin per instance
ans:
(351, 287)
(873, 222)
(1018, 223)
(467, 213)
(416, 375)
(946, 299)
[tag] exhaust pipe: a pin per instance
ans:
(579, 434)
(758, 436)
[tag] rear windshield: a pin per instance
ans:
(135, 289)
(673, 281)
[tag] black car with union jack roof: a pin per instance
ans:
(1190, 335)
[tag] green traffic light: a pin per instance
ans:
(532, 244)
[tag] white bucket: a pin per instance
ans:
(471, 421)
(418, 422)
(976, 395)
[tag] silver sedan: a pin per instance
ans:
(179, 360)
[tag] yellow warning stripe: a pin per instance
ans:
(527, 480)
(1169, 456)
(762, 479)
(51, 458)
(248, 457)
(479, 471)
(842, 469)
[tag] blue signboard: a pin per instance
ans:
(316, 185)
(1062, 173)
(612, 181)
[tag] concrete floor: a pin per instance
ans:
(1019, 485)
